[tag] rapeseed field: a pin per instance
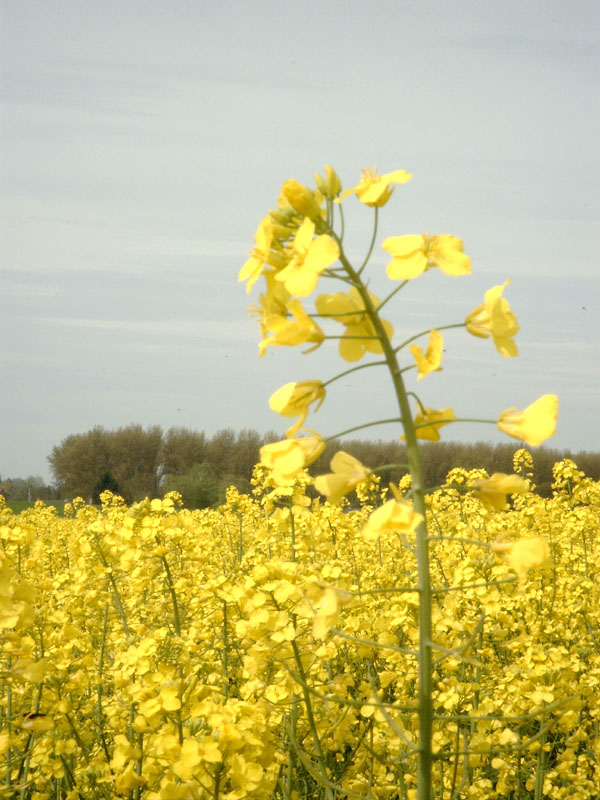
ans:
(425, 643)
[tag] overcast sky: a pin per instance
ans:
(142, 142)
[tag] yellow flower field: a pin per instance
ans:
(267, 649)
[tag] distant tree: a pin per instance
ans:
(220, 452)
(198, 488)
(28, 489)
(134, 460)
(181, 449)
(131, 456)
(79, 461)
(142, 462)
(245, 453)
(106, 484)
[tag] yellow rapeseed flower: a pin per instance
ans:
(349, 310)
(287, 458)
(494, 318)
(492, 491)
(329, 186)
(391, 517)
(347, 473)
(294, 399)
(429, 421)
(374, 189)
(291, 332)
(259, 254)
(413, 254)
(272, 302)
(534, 424)
(310, 257)
(524, 554)
(301, 199)
(430, 360)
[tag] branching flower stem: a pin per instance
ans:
(392, 294)
(354, 369)
(425, 686)
(370, 250)
(311, 720)
(360, 427)
(425, 332)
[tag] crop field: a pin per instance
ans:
(16, 506)
(415, 642)
(267, 649)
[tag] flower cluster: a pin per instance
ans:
(300, 244)
(296, 245)
(155, 652)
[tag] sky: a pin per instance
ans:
(143, 142)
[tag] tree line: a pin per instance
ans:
(136, 462)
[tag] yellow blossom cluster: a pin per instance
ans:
(268, 648)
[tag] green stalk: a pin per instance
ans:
(241, 539)
(311, 721)
(353, 369)
(138, 764)
(425, 687)
(292, 738)
(173, 593)
(293, 534)
(9, 712)
(373, 237)
(225, 652)
(99, 711)
(425, 332)
(115, 588)
(360, 427)
(393, 293)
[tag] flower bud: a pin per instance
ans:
(282, 232)
(332, 185)
(321, 184)
(301, 199)
(281, 216)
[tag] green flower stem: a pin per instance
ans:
(82, 746)
(371, 643)
(335, 314)
(311, 720)
(9, 712)
(425, 332)
(99, 710)
(353, 369)
(458, 588)
(459, 539)
(425, 683)
(240, 542)
(23, 773)
(364, 425)
(342, 224)
(457, 419)
(291, 751)
(173, 593)
(292, 532)
(384, 467)
(393, 293)
(343, 336)
(116, 594)
(225, 651)
(338, 274)
(370, 250)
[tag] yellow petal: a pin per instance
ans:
(533, 425)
